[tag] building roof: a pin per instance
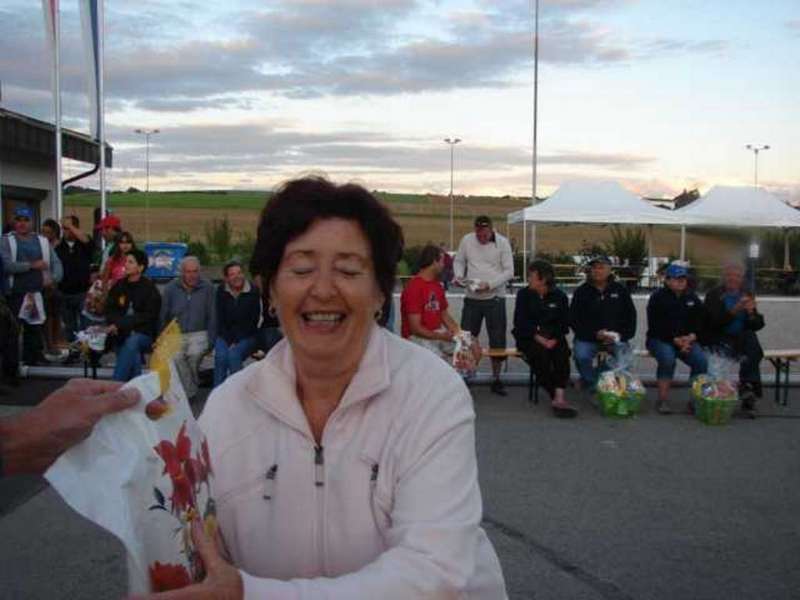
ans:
(24, 138)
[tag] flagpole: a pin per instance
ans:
(57, 96)
(101, 109)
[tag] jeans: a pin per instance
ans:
(584, 359)
(229, 359)
(666, 355)
(129, 356)
(71, 308)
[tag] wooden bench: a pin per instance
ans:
(782, 361)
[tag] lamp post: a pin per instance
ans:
(147, 133)
(755, 148)
(452, 143)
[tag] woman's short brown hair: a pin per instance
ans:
(299, 203)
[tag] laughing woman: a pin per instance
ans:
(345, 460)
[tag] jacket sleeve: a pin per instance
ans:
(222, 330)
(755, 322)
(524, 326)
(563, 320)
(718, 316)
(113, 312)
(629, 317)
(166, 304)
(11, 267)
(434, 536)
(659, 327)
(578, 315)
(211, 307)
(507, 266)
(698, 320)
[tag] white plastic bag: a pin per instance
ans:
(32, 309)
(143, 474)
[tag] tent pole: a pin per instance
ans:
(533, 241)
(524, 248)
(787, 259)
(649, 253)
(683, 242)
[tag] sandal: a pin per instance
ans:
(564, 411)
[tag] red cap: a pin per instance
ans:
(109, 221)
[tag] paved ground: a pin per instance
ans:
(652, 508)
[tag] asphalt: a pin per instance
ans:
(655, 507)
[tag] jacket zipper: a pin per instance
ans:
(269, 482)
(319, 490)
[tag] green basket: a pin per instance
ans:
(715, 411)
(619, 406)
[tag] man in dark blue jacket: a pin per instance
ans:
(238, 306)
(602, 317)
(675, 318)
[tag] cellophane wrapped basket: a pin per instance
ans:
(715, 394)
(619, 392)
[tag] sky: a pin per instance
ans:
(660, 96)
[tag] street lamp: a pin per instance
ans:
(147, 133)
(452, 143)
(756, 149)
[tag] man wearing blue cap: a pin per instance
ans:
(30, 263)
(675, 317)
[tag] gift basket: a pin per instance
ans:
(619, 392)
(714, 395)
(466, 354)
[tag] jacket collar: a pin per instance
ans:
(245, 290)
(272, 384)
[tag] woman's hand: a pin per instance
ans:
(222, 581)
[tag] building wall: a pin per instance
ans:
(31, 176)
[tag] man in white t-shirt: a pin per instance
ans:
(484, 264)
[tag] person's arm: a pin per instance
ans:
(419, 330)
(628, 316)
(524, 326)
(450, 323)
(165, 314)
(460, 261)
(579, 315)
(211, 307)
(563, 315)
(718, 314)
(79, 234)
(506, 266)
(11, 267)
(657, 321)
(32, 440)
(114, 313)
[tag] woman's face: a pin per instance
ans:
(125, 245)
(131, 266)
(326, 294)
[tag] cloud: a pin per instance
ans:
(793, 26)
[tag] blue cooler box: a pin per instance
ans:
(164, 259)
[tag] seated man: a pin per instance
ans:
(190, 299)
(423, 306)
(238, 313)
(602, 316)
(132, 310)
(675, 319)
(541, 324)
(733, 322)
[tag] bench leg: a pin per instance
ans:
(787, 367)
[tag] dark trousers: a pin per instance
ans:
(71, 307)
(551, 366)
(9, 340)
(32, 346)
(746, 347)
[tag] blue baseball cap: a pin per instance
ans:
(23, 212)
(676, 270)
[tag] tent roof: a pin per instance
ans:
(595, 202)
(739, 207)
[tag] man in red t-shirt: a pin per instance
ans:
(423, 306)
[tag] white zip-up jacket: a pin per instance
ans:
(386, 507)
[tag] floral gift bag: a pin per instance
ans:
(144, 474)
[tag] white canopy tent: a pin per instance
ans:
(595, 203)
(742, 207)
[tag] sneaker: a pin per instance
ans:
(498, 388)
(663, 408)
(748, 410)
(564, 410)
